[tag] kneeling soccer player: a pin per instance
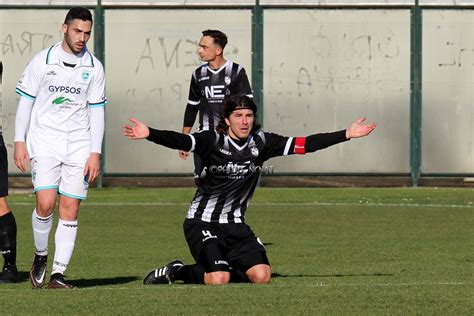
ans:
(224, 247)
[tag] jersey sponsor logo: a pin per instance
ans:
(225, 152)
(203, 78)
(64, 89)
(214, 91)
(65, 103)
(51, 73)
(61, 100)
(235, 170)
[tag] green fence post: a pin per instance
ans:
(416, 92)
(257, 57)
(99, 45)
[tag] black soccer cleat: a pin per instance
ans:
(9, 274)
(57, 282)
(38, 271)
(163, 275)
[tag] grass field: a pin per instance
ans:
(333, 251)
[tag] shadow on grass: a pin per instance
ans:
(337, 275)
(103, 282)
(24, 276)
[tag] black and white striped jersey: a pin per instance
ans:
(209, 88)
(231, 169)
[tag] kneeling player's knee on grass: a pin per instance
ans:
(217, 278)
(260, 274)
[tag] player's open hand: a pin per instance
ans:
(21, 156)
(357, 129)
(136, 131)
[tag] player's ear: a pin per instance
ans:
(227, 121)
(64, 28)
(219, 50)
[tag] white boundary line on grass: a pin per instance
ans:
(270, 204)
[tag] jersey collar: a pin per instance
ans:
(52, 58)
(217, 70)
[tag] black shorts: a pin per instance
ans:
(219, 247)
(3, 168)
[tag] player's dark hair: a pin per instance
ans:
(79, 13)
(219, 37)
(237, 102)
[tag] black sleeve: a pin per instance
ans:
(204, 142)
(277, 145)
(190, 115)
(192, 108)
(199, 142)
(194, 93)
(324, 140)
(171, 139)
(243, 85)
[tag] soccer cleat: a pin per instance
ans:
(9, 274)
(38, 271)
(57, 282)
(163, 275)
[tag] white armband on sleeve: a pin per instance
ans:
(97, 128)
(22, 118)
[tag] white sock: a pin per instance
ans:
(41, 228)
(65, 239)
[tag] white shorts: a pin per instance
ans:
(66, 177)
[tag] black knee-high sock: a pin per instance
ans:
(191, 274)
(237, 276)
(8, 238)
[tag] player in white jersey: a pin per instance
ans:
(61, 115)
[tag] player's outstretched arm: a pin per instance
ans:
(357, 129)
(136, 131)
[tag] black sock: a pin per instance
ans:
(8, 238)
(237, 276)
(191, 274)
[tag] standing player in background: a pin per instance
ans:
(61, 117)
(211, 84)
(9, 272)
(224, 247)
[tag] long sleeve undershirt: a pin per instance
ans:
(180, 141)
(22, 118)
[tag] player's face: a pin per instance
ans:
(240, 123)
(76, 35)
(208, 50)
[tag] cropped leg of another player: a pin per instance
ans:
(9, 273)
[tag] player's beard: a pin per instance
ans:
(72, 46)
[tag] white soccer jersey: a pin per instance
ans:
(63, 97)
